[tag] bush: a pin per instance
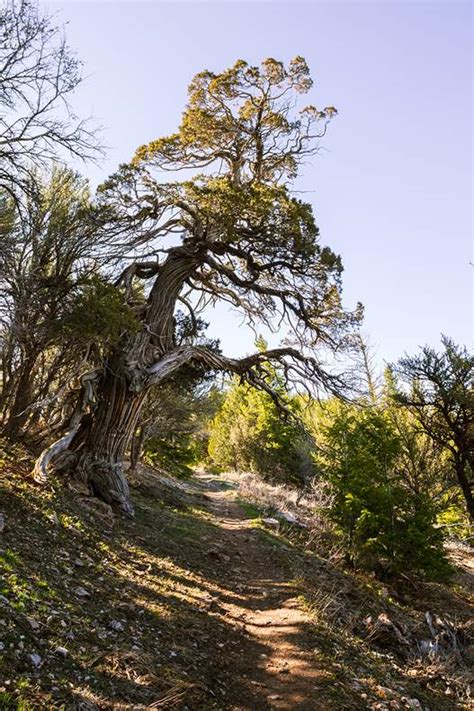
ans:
(250, 434)
(384, 526)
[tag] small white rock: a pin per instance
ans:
(116, 625)
(35, 660)
(82, 592)
(62, 651)
(272, 522)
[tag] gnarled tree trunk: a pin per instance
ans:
(98, 444)
(102, 439)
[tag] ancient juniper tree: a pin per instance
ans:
(227, 229)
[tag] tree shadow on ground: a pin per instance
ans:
(162, 610)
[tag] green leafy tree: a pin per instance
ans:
(176, 433)
(384, 525)
(250, 433)
(173, 425)
(422, 463)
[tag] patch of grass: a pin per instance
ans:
(8, 559)
(250, 509)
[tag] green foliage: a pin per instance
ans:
(383, 524)
(453, 519)
(98, 315)
(249, 433)
(243, 102)
(175, 455)
(176, 415)
(438, 389)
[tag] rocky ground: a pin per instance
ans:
(202, 602)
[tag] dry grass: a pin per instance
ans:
(304, 510)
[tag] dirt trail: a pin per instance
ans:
(268, 611)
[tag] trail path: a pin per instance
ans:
(267, 610)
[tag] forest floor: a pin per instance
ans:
(196, 604)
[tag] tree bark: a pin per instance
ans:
(109, 415)
(102, 439)
(18, 414)
(460, 467)
(136, 447)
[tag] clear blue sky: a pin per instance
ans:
(392, 190)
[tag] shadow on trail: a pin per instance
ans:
(243, 587)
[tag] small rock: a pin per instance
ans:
(62, 651)
(33, 624)
(78, 563)
(82, 592)
(2, 522)
(35, 660)
(97, 507)
(271, 522)
(414, 704)
(116, 625)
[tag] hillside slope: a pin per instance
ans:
(197, 604)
